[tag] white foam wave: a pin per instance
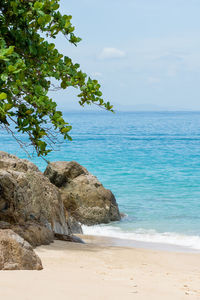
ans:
(143, 235)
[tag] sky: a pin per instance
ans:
(145, 53)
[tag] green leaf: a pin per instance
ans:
(51, 46)
(47, 18)
(38, 5)
(56, 6)
(66, 129)
(11, 68)
(41, 20)
(4, 77)
(8, 106)
(10, 50)
(29, 112)
(3, 96)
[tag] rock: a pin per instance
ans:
(5, 225)
(12, 162)
(83, 195)
(123, 215)
(29, 196)
(69, 238)
(75, 227)
(61, 172)
(30, 203)
(16, 253)
(34, 233)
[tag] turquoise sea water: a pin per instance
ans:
(151, 162)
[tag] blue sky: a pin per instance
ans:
(145, 53)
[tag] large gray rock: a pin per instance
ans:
(29, 202)
(16, 253)
(83, 195)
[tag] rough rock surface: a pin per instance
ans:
(16, 253)
(12, 162)
(83, 195)
(31, 197)
(26, 195)
(74, 226)
(33, 233)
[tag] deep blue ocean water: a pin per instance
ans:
(150, 161)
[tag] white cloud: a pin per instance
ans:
(109, 53)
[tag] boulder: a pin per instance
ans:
(30, 204)
(29, 196)
(33, 233)
(16, 253)
(83, 195)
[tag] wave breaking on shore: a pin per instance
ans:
(144, 235)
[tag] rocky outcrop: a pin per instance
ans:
(16, 253)
(29, 202)
(30, 196)
(83, 195)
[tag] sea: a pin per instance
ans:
(150, 161)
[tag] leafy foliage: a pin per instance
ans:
(29, 63)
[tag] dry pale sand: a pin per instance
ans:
(90, 271)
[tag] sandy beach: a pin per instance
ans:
(97, 271)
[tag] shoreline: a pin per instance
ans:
(109, 241)
(95, 271)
